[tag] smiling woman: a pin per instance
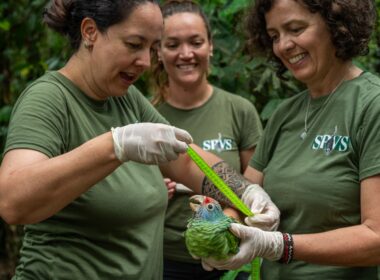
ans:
(220, 122)
(325, 183)
(297, 39)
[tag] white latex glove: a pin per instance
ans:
(267, 215)
(254, 243)
(150, 143)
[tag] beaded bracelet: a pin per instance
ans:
(287, 255)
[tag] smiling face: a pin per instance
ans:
(185, 48)
(301, 41)
(120, 55)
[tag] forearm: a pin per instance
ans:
(39, 189)
(231, 177)
(185, 171)
(350, 246)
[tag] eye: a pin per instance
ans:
(134, 46)
(210, 206)
(197, 43)
(171, 45)
(296, 30)
(273, 37)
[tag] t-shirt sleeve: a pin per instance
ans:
(369, 154)
(38, 120)
(251, 130)
(259, 158)
(266, 144)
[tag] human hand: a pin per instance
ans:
(266, 214)
(254, 243)
(171, 186)
(150, 143)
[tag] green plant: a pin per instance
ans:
(28, 49)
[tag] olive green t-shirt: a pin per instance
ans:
(224, 125)
(315, 182)
(115, 229)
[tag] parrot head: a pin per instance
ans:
(206, 208)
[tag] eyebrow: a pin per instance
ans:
(286, 24)
(143, 39)
(191, 37)
(136, 37)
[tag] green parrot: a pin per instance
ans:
(207, 233)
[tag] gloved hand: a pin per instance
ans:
(150, 143)
(254, 243)
(267, 215)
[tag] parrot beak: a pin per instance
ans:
(196, 201)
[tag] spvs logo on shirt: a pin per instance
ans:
(220, 144)
(330, 143)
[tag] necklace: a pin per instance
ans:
(305, 130)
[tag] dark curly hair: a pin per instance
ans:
(65, 16)
(350, 23)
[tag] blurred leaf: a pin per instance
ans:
(263, 79)
(5, 25)
(5, 113)
(235, 7)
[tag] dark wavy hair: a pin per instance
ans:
(65, 16)
(158, 78)
(350, 23)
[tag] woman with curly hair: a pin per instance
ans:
(319, 156)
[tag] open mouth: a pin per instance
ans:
(296, 58)
(128, 77)
(187, 67)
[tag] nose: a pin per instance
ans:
(285, 44)
(144, 59)
(186, 51)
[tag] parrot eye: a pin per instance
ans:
(210, 206)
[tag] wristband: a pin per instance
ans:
(287, 255)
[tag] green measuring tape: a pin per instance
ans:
(218, 182)
(226, 190)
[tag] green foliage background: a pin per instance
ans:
(28, 49)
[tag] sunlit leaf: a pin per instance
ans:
(5, 25)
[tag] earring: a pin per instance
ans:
(87, 45)
(159, 60)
